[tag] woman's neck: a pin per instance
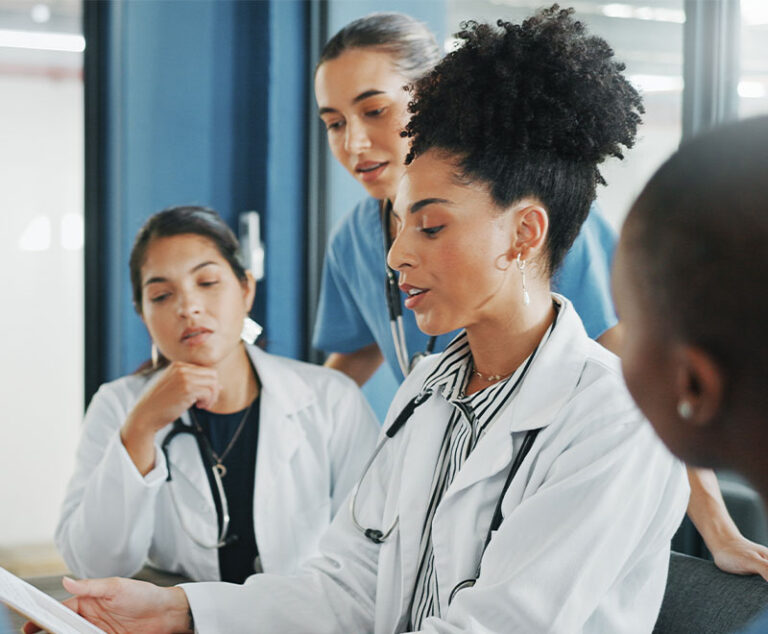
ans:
(238, 382)
(499, 345)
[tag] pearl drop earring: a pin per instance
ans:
(521, 268)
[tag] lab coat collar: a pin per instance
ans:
(553, 376)
(550, 381)
(280, 383)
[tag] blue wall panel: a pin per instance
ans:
(188, 122)
(286, 180)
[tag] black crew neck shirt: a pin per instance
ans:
(238, 559)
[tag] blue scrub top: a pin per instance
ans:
(353, 309)
(758, 626)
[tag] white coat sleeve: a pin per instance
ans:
(595, 530)
(107, 517)
(352, 441)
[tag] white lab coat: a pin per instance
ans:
(583, 546)
(315, 433)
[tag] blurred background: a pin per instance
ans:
(112, 110)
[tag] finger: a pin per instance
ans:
(209, 394)
(101, 588)
(29, 627)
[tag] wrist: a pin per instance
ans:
(139, 441)
(179, 612)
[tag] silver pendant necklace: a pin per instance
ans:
(219, 466)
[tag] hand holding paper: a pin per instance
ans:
(125, 605)
(36, 605)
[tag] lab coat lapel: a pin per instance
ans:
(283, 393)
(418, 467)
(541, 395)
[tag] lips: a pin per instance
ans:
(415, 295)
(370, 170)
(195, 335)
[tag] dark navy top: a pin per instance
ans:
(237, 560)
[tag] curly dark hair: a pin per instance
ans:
(531, 110)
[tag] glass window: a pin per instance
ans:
(41, 256)
(753, 80)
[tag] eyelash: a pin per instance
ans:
(164, 296)
(336, 125)
(432, 231)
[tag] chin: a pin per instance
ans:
(377, 190)
(434, 327)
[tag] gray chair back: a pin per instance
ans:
(701, 599)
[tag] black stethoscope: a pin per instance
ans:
(218, 491)
(378, 536)
(395, 308)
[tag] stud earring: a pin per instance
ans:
(521, 268)
(155, 354)
(685, 409)
(251, 330)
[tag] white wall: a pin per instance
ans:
(41, 299)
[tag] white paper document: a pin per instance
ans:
(40, 608)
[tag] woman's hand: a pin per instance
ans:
(120, 606)
(731, 551)
(741, 556)
(180, 386)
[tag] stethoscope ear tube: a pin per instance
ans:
(374, 534)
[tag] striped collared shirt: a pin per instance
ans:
(471, 417)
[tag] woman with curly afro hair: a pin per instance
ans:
(516, 487)
(360, 98)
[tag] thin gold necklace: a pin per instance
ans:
(492, 378)
(219, 466)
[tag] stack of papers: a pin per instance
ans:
(40, 608)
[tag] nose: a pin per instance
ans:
(188, 303)
(356, 137)
(401, 254)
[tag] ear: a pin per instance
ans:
(249, 291)
(531, 223)
(700, 383)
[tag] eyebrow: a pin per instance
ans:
(159, 279)
(361, 97)
(420, 204)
